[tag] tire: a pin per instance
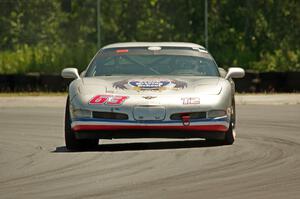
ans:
(229, 136)
(72, 143)
(228, 139)
(233, 120)
(230, 133)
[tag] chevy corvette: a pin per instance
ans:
(150, 90)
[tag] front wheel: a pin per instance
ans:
(229, 136)
(72, 143)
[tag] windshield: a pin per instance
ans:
(142, 61)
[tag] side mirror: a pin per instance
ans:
(235, 72)
(70, 73)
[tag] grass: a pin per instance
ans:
(45, 59)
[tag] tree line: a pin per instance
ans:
(48, 35)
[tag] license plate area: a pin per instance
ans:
(143, 113)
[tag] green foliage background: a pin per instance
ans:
(47, 35)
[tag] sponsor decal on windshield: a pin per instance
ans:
(122, 51)
(150, 84)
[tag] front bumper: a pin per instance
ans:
(218, 124)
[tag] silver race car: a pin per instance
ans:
(150, 90)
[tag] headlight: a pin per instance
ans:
(216, 113)
(79, 113)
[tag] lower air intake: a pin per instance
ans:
(193, 115)
(110, 115)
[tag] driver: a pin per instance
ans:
(185, 64)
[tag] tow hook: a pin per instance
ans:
(186, 120)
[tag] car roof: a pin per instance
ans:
(148, 44)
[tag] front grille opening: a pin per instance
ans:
(110, 115)
(193, 115)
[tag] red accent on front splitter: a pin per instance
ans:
(120, 127)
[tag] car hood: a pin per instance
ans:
(141, 85)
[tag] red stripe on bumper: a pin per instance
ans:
(114, 128)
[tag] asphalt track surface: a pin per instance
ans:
(264, 162)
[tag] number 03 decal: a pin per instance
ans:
(113, 100)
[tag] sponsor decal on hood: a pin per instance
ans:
(151, 84)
